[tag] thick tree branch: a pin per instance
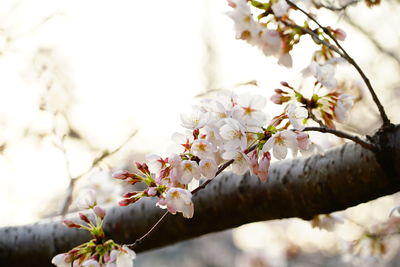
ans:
(301, 187)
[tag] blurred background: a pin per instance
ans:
(89, 87)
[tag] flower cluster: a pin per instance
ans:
(230, 129)
(97, 252)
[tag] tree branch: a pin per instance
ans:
(301, 187)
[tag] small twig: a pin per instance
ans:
(341, 134)
(345, 55)
(95, 162)
(312, 116)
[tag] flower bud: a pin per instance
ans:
(84, 218)
(71, 224)
(99, 211)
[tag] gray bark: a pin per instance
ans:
(301, 187)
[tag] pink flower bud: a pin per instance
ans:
(71, 224)
(142, 167)
(127, 201)
(121, 174)
(84, 218)
(152, 191)
(99, 211)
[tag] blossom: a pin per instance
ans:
(285, 59)
(208, 168)
(241, 161)
(263, 166)
(203, 149)
(249, 109)
(280, 142)
(190, 170)
(234, 134)
(155, 163)
(178, 199)
(270, 42)
(253, 162)
(246, 27)
(343, 105)
(280, 8)
(86, 200)
(90, 263)
(59, 260)
(194, 120)
(296, 115)
(324, 74)
(122, 257)
(303, 140)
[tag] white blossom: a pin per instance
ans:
(208, 168)
(324, 74)
(241, 161)
(203, 149)
(280, 142)
(190, 170)
(249, 109)
(195, 120)
(90, 263)
(59, 260)
(280, 8)
(296, 115)
(343, 105)
(234, 134)
(86, 200)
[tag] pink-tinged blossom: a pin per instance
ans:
(203, 149)
(339, 34)
(183, 140)
(90, 263)
(296, 115)
(343, 105)
(241, 161)
(99, 211)
(303, 140)
(155, 163)
(285, 59)
(324, 74)
(86, 200)
(234, 135)
(270, 42)
(178, 199)
(263, 166)
(280, 142)
(208, 168)
(175, 173)
(253, 161)
(280, 97)
(190, 170)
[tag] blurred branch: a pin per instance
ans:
(329, 5)
(300, 187)
(96, 161)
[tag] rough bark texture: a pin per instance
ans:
(301, 187)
